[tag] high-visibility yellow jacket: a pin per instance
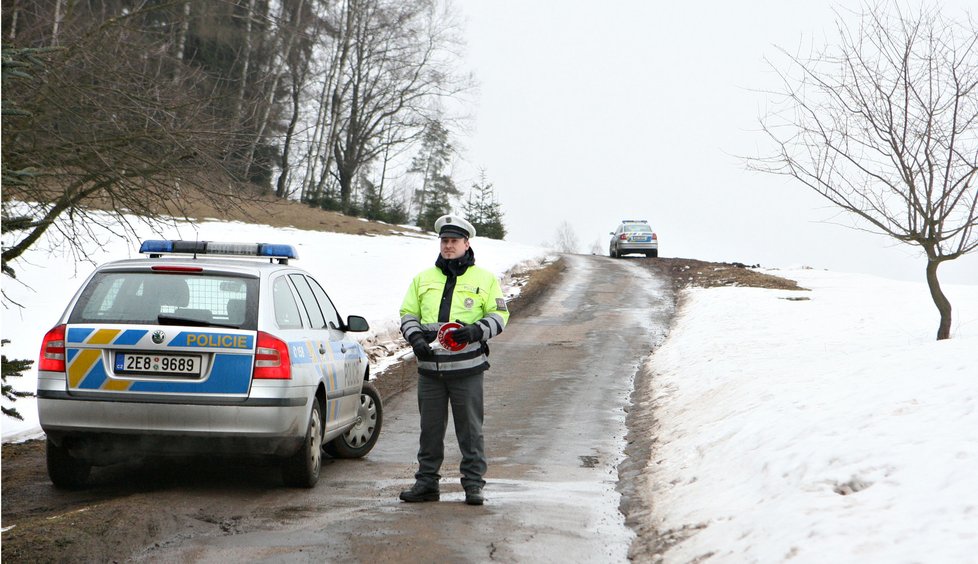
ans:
(434, 299)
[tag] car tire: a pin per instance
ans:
(64, 470)
(361, 438)
(301, 470)
(612, 253)
(652, 254)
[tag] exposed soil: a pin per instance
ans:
(696, 273)
(80, 526)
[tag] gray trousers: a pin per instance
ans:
(464, 394)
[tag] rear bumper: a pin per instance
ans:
(638, 247)
(101, 449)
(110, 430)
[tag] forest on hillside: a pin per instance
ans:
(348, 105)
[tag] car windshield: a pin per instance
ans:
(169, 298)
(634, 227)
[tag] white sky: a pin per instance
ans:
(595, 112)
(764, 406)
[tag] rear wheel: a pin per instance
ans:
(654, 253)
(301, 470)
(66, 471)
(362, 437)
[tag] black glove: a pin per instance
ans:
(420, 346)
(467, 334)
(429, 335)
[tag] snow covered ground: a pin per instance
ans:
(832, 429)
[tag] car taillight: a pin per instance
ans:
(624, 236)
(655, 237)
(52, 358)
(272, 360)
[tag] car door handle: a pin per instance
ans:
(322, 348)
(342, 348)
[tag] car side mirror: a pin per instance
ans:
(357, 324)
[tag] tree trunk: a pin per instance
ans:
(243, 81)
(283, 178)
(13, 20)
(346, 169)
(336, 99)
(56, 28)
(277, 72)
(184, 31)
(940, 300)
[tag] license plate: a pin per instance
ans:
(140, 363)
(640, 239)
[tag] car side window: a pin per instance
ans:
(309, 301)
(329, 312)
(286, 311)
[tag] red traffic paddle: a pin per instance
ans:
(445, 336)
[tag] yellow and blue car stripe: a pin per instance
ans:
(229, 373)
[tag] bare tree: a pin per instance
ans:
(96, 129)
(884, 125)
(398, 66)
(566, 239)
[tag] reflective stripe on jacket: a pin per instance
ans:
(475, 298)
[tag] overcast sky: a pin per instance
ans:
(594, 112)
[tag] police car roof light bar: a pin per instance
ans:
(157, 248)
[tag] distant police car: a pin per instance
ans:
(634, 236)
(204, 352)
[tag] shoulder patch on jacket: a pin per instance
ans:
(501, 304)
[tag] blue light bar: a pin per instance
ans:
(276, 250)
(264, 250)
(156, 246)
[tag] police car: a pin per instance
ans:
(201, 348)
(633, 236)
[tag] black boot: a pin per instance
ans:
(420, 492)
(473, 495)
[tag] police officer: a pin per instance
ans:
(453, 290)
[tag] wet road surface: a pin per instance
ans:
(556, 401)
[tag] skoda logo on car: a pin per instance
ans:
(158, 337)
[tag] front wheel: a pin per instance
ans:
(361, 438)
(66, 471)
(301, 470)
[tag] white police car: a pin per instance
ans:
(633, 236)
(204, 352)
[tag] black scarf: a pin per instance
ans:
(452, 268)
(456, 267)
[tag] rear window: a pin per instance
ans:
(633, 227)
(171, 298)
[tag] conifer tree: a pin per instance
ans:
(483, 210)
(13, 368)
(433, 198)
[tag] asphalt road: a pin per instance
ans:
(557, 397)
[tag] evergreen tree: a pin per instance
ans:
(13, 368)
(433, 198)
(435, 206)
(483, 210)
